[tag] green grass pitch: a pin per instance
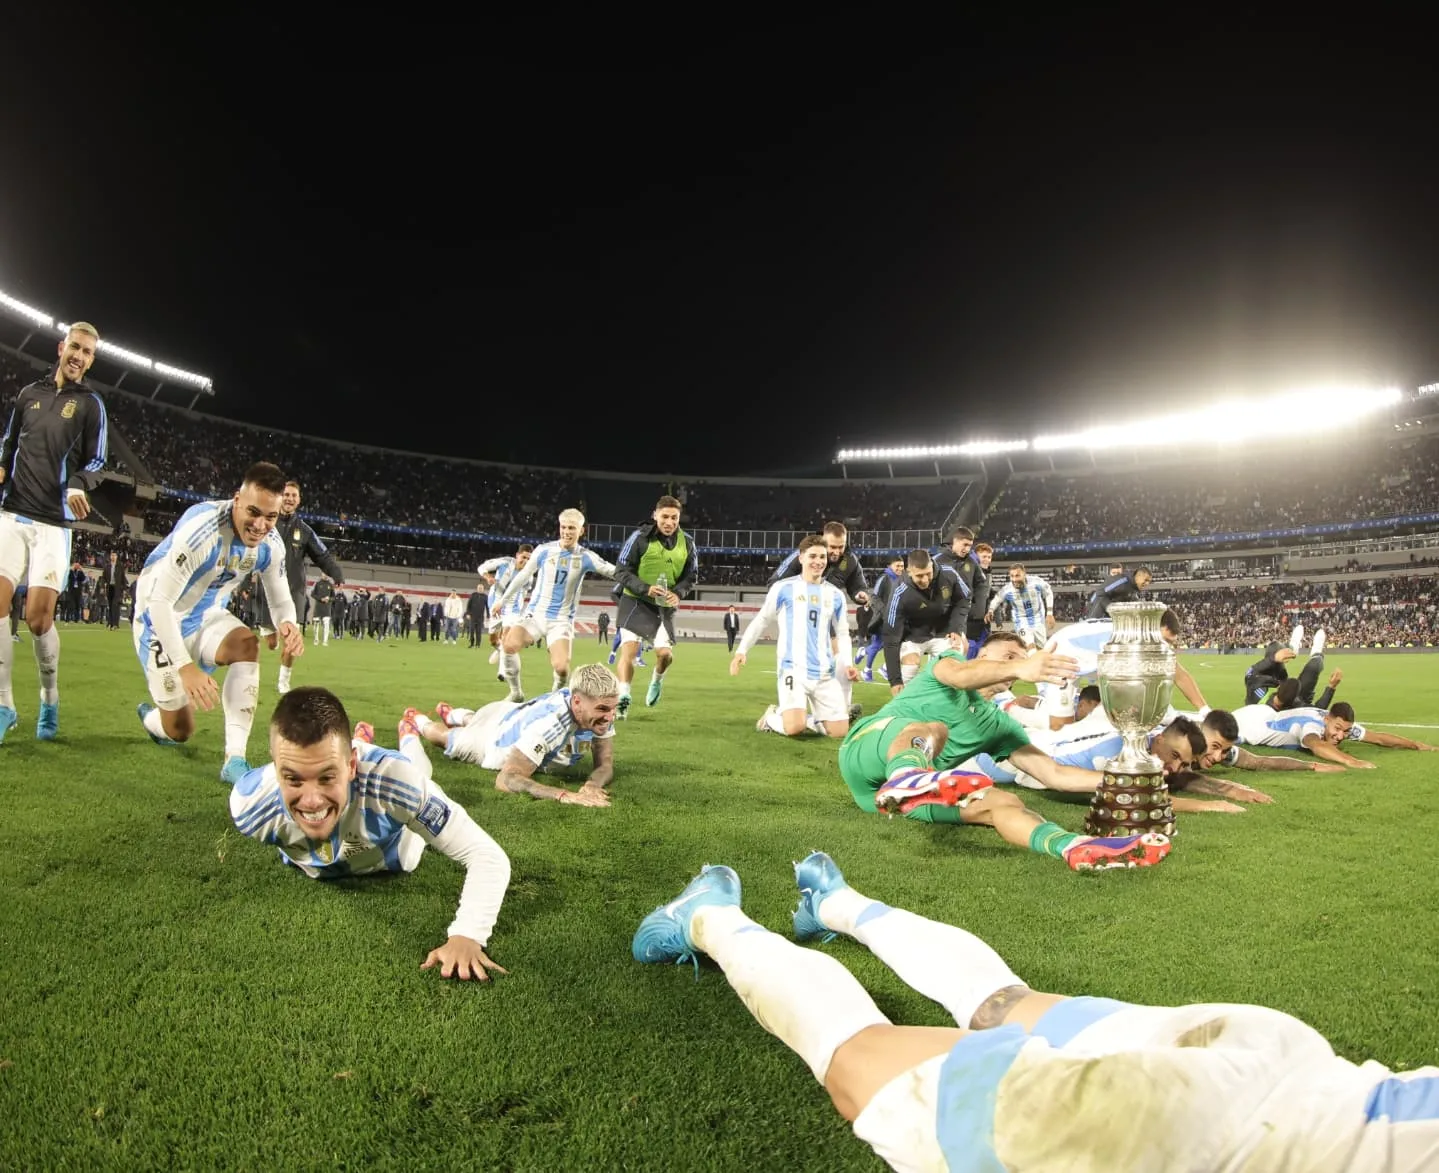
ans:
(172, 997)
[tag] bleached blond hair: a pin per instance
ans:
(574, 516)
(594, 680)
(84, 328)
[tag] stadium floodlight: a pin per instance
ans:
(1314, 409)
(176, 375)
(931, 451)
(1428, 389)
(118, 353)
(17, 306)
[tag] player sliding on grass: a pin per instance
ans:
(184, 629)
(340, 808)
(902, 758)
(1320, 732)
(1040, 1081)
(550, 732)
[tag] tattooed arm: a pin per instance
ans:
(516, 776)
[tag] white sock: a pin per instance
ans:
(495, 656)
(510, 669)
(47, 660)
(774, 719)
(413, 748)
(945, 963)
(421, 722)
(846, 687)
(238, 697)
(624, 688)
(152, 723)
(1059, 701)
(557, 681)
(814, 724)
(325, 628)
(284, 677)
(805, 998)
(458, 717)
(7, 697)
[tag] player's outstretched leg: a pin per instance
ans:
(944, 963)
(808, 1000)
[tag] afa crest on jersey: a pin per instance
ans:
(68, 411)
(944, 594)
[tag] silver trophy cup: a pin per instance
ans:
(1136, 676)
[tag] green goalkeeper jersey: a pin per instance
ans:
(975, 726)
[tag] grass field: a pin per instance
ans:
(172, 997)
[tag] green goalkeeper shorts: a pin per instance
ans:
(862, 756)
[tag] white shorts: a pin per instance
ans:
(163, 677)
(661, 639)
(825, 698)
(930, 647)
(1033, 637)
(474, 742)
(550, 630)
(38, 545)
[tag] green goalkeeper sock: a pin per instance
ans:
(905, 759)
(1052, 839)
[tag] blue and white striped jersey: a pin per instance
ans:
(389, 794)
(544, 730)
(193, 573)
(503, 569)
(554, 576)
(1031, 604)
(1261, 725)
(811, 618)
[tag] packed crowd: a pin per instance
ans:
(1215, 500)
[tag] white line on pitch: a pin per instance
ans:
(1396, 725)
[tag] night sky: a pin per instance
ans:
(726, 264)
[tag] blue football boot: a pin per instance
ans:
(664, 935)
(47, 725)
(818, 876)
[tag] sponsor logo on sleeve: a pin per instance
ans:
(433, 816)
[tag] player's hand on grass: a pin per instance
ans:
(294, 639)
(1216, 807)
(1328, 768)
(1048, 667)
(737, 663)
(1239, 791)
(1361, 764)
(585, 796)
(462, 957)
(79, 503)
(198, 683)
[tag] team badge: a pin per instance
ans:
(170, 682)
(540, 749)
(944, 594)
(433, 816)
(68, 410)
(180, 560)
(325, 853)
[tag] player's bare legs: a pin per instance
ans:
(559, 662)
(40, 619)
(513, 641)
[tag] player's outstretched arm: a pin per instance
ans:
(602, 750)
(1332, 753)
(1042, 667)
(516, 776)
(1244, 760)
(1051, 774)
(1393, 741)
(1192, 783)
(447, 826)
(1187, 687)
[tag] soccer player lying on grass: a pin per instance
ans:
(548, 733)
(1320, 732)
(1040, 1081)
(340, 808)
(903, 757)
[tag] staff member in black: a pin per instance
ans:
(1123, 587)
(477, 612)
(731, 626)
(53, 452)
(115, 581)
(843, 571)
(926, 617)
(301, 542)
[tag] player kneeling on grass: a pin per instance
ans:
(336, 807)
(183, 626)
(1036, 1081)
(813, 649)
(548, 733)
(902, 758)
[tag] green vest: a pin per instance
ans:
(656, 561)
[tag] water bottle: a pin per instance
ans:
(663, 583)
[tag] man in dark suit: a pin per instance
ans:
(115, 581)
(731, 626)
(74, 593)
(477, 611)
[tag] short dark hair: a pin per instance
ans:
(835, 529)
(525, 548)
(1170, 620)
(1090, 692)
(264, 475)
(1004, 637)
(1222, 722)
(810, 542)
(917, 559)
(1286, 694)
(1017, 566)
(667, 502)
(962, 531)
(1343, 710)
(1191, 732)
(308, 715)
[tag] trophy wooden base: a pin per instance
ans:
(1130, 804)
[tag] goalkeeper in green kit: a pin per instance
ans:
(902, 760)
(663, 556)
